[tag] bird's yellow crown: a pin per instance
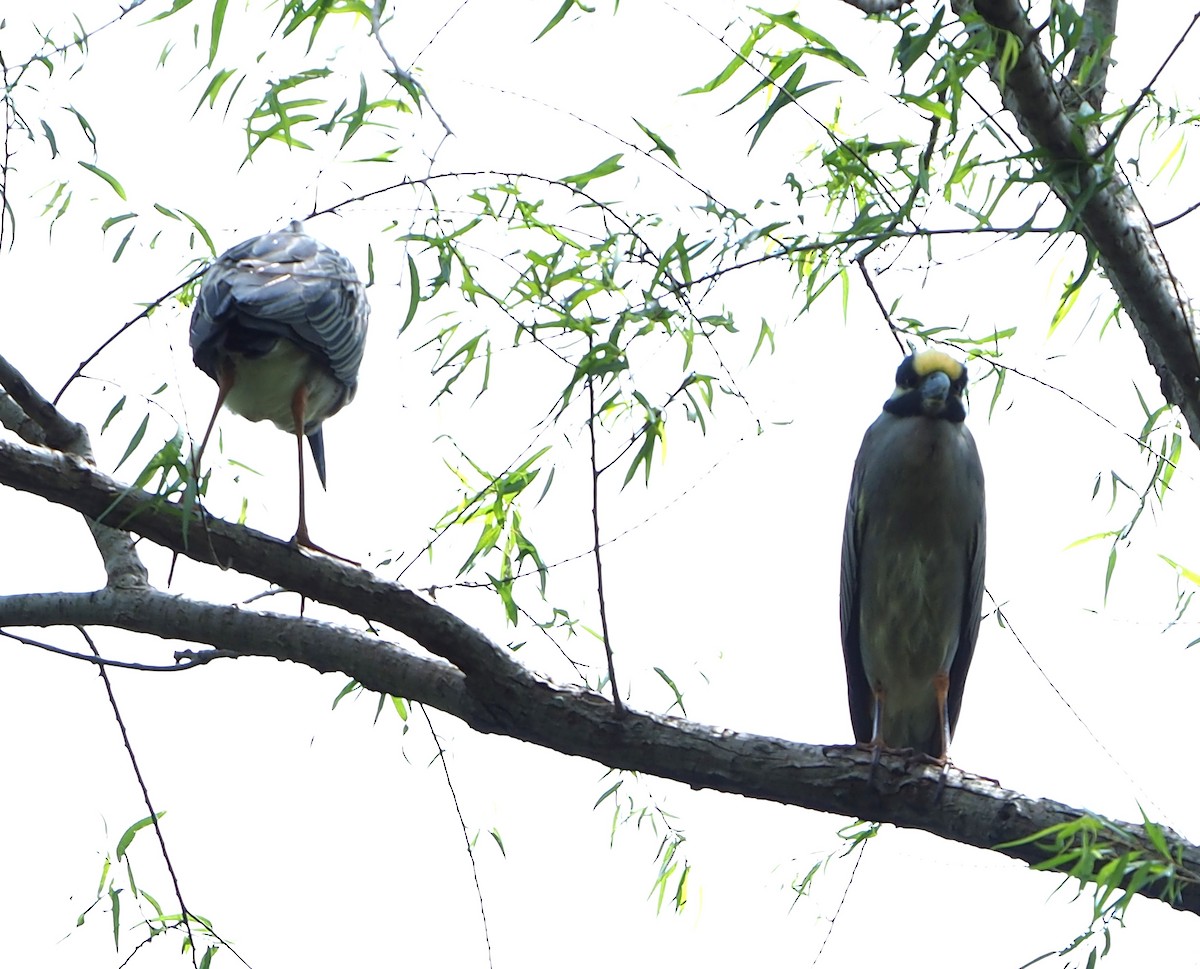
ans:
(927, 361)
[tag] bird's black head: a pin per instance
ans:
(929, 384)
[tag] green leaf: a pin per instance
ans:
(933, 107)
(203, 232)
(414, 294)
(1190, 574)
(175, 8)
(1091, 538)
(88, 132)
(606, 167)
(113, 183)
(559, 14)
(740, 59)
(133, 442)
(218, 18)
(608, 793)
(121, 246)
(116, 409)
(789, 93)
(345, 691)
(817, 44)
(912, 45)
(131, 832)
(659, 144)
(213, 89)
(499, 842)
(114, 898)
(674, 689)
(49, 133)
(765, 335)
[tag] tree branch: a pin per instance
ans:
(1093, 55)
(45, 424)
(1101, 198)
(492, 693)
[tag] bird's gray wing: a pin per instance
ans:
(286, 284)
(973, 599)
(862, 700)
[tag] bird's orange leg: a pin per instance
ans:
(301, 538)
(299, 406)
(941, 690)
(225, 378)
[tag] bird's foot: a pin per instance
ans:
(942, 775)
(303, 541)
(877, 748)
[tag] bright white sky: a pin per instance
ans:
(318, 838)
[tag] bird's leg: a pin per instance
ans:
(301, 538)
(941, 690)
(299, 406)
(876, 732)
(225, 377)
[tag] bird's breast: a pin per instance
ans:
(919, 513)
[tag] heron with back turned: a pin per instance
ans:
(280, 323)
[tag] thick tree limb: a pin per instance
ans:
(493, 693)
(1108, 212)
(1093, 56)
(68, 480)
(38, 421)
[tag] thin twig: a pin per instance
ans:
(198, 659)
(144, 314)
(1145, 92)
(862, 849)
(895, 330)
(462, 824)
(162, 843)
(608, 651)
(1002, 617)
(405, 78)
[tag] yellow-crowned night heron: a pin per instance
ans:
(912, 562)
(280, 323)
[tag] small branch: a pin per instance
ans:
(198, 660)
(608, 651)
(463, 825)
(144, 314)
(1145, 91)
(887, 317)
(233, 631)
(405, 78)
(162, 841)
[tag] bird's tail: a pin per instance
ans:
(317, 443)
